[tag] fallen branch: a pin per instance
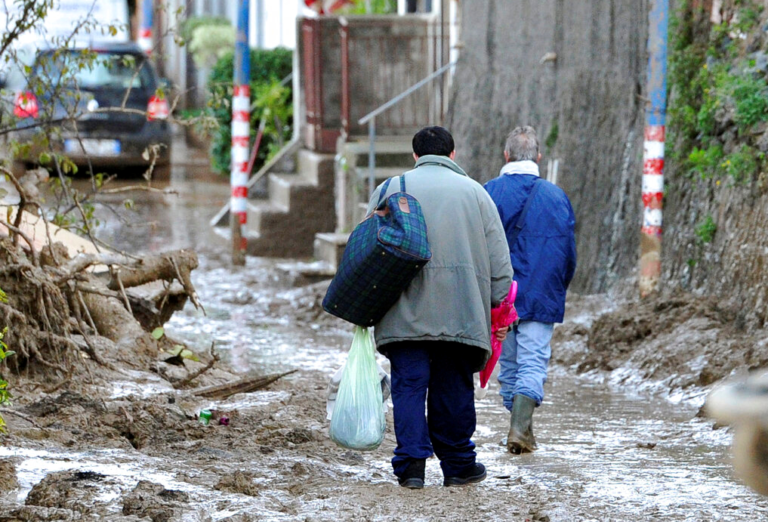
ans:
(198, 373)
(244, 385)
(153, 268)
(134, 188)
(83, 261)
(24, 416)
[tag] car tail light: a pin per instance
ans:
(157, 109)
(25, 106)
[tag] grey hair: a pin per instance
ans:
(522, 144)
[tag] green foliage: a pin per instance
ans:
(184, 353)
(268, 68)
(705, 231)
(714, 90)
(705, 162)
(743, 164)
(377, 7)
(158, 333)
(191, 24)
(551, 140)
(5, 395)
(750, 94)
(208, 43)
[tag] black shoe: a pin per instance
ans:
(473, 475)
(411, 483)
(413, 478)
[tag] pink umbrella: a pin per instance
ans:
(501, 316)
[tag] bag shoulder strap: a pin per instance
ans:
(383, 193)
(521, 220)
(384, 188)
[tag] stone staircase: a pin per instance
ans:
(393, 157)
(311, 211)
(299, 206)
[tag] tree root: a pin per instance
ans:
(11, 411)
(58, 310)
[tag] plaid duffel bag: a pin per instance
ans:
(383, 254)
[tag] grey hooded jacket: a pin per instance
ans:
(470, 271)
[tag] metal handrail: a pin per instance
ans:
(370, 119)
(396, 99)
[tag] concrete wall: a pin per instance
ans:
(591, 88)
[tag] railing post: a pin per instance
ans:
(371, 156)
(345, 97)
(653, 150)
(241, 133)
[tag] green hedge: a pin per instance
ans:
(268, 67)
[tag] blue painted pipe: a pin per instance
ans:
(657, 62)
(242, 55)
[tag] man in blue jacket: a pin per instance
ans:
(539, 223)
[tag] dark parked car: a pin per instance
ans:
(111, 89)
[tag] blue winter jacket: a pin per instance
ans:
(544, 255)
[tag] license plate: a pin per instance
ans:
(92, 147)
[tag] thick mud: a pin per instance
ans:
(130, 447)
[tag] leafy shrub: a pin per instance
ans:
(705, 162)
(193, 23)
(209, 43)
(377, 7)
(742, 164)
(5, 395)
(705, 231)
(268, 68)
(710, 80)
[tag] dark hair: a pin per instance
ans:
(433, 140)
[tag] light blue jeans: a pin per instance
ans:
(523, 362)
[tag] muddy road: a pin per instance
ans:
(132, 449)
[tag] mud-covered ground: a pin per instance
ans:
(619, 432)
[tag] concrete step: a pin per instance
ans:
(282, 185)
(261, 213)
(329, 248)
(316, 168)
(384, 145)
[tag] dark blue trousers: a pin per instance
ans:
(440, 374)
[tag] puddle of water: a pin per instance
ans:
(595, 444)
(604, 454)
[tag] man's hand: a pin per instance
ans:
(501, 333)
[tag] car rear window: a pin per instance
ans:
(104, 70)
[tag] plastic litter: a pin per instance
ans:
(358, 420)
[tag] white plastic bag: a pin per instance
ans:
(358, 416)
(333, 389)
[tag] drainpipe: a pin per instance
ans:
(147, 20)
(653, 149)
(241, 132)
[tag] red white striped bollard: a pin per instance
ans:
(241, 130)
(653, 199)
(147, 21)
(145, 41)
(653, 150)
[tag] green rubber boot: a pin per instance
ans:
(520, 438)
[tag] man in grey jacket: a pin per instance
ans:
(438, 333)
